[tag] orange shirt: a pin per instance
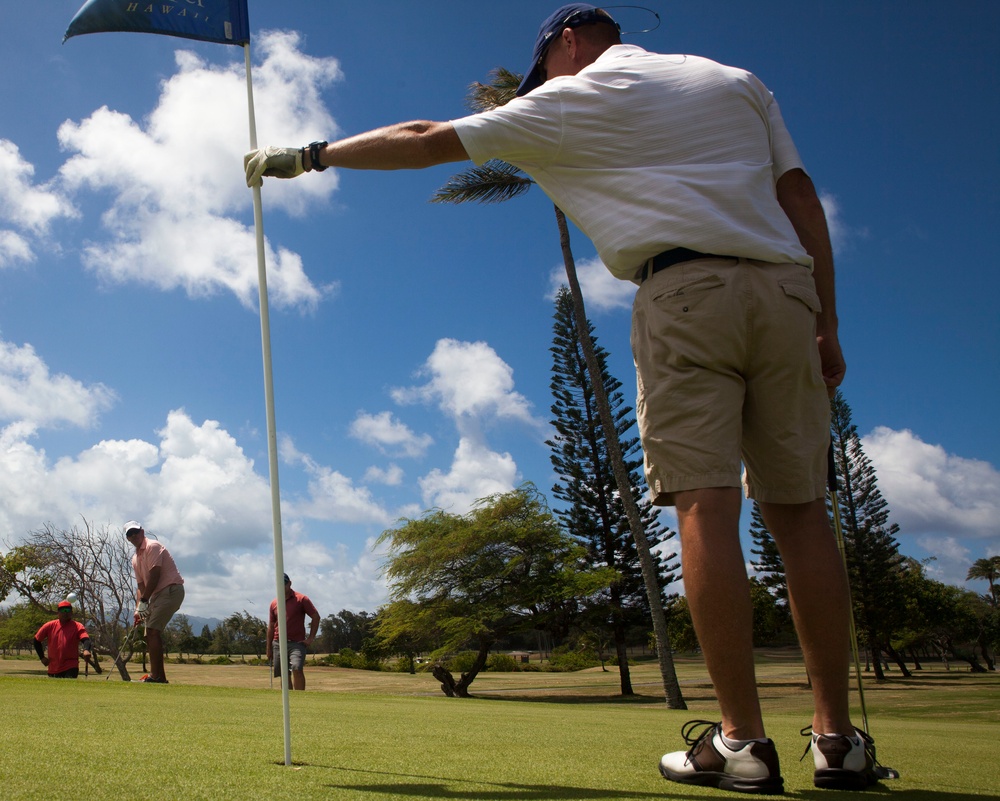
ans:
(64, 637)
(296, 609)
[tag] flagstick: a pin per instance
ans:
(272, 436)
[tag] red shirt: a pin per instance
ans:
(64, 637)
(296, 608)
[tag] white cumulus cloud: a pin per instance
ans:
(948, 503)
(176, 179)
(388, 434)
(469, 379)
(602, 292)
(30, 393)
(476, 471)
(28, 207)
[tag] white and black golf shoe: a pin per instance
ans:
(709, 762)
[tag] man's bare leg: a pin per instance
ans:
(154, 644)
(718, 594)
(820, 601)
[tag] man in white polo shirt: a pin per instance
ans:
(682, 173)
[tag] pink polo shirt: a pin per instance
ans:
(149, 555)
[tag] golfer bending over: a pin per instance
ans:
(683, 175)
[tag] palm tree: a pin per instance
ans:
(495, 182)
(987, 569)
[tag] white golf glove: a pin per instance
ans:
(275, 162)
(142, 610)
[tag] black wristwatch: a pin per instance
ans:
(314, 148)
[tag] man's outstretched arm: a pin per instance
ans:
(404, 146)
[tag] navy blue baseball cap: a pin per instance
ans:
(568, 16)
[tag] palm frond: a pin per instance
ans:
(499, 92)
(493, 182)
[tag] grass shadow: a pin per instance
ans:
(580, 699)
(444, 787)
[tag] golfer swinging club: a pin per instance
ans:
(682, 173)
(159, 594)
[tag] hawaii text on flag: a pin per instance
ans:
(223, 21)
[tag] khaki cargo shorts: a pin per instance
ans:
(729, 372)
(163, 605)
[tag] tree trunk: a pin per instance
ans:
(621, 650)
(443, 675)
(877, 663)
(672, 689)
(961, 655)
(460, 688)
(985, 651)
(898, 659)
(120, 663)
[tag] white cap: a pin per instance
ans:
(131, 524)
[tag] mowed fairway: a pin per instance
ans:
(216, 733)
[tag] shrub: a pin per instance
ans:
(502, 663)
(565, 660)
(461, 662)
(348, 658)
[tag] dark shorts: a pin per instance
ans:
(72, 673)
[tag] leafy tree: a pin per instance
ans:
(405, 643)
(223, 640)
(178, 635)
(473, 579)
(945, 619)
(987, 569)
(874, 563)
(90, 561)
(18, 626)
(769, 567)
(498, 181)
(771, 620)
(240, 633)
(346, 629)
(773, 614)
(682, 633)
(595, 514)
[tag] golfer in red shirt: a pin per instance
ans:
(297, 606)
(63, 636)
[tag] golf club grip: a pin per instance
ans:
(831, 469)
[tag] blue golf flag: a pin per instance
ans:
(222, 21)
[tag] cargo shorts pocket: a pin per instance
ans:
(803, 293)
(686, 296)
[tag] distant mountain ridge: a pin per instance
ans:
(198, 623)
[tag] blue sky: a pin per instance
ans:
(410, 340)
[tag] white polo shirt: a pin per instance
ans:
(646, 152)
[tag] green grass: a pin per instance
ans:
(533, 736)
